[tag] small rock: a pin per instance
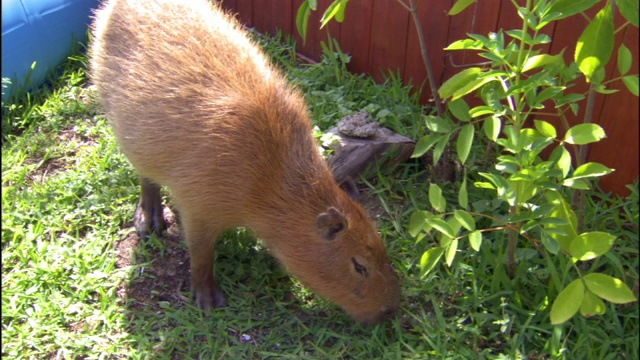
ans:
(353, 155)
(358, 125)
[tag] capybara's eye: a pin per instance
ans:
(360, 269)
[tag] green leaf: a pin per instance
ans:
(591, 169)
(481, 110)
(465, 44)
(595, 45)
(302, 19)
(417, 222)
(459, 81)
(602, 89)
(590, 245)
(562, 210)
(465, 219)
(484, 185)
(450, 253)
(625, 59)
(336, 9)
(545, 128)
(508, 167)
(464, 142)
(442, 226)
(570, 7)
(567, 303)
(583, 134)
(631, 82)
(591, 305)
(441, 144)
(544, 210)
(512, 139)
(555, 231)
(436, 199)
(463, 196)
(546, 19)
(554, 221)
(629, 9)
(550, 243)
(475, 240)
(429, 259)
(524, 190)
(541, 39)
(500, 183)
(609, 288)
(598, 76)
(570, 99)
(459, 109)
(341, 11)
(463, 83)
(492, 127)
(438, 124)
(541, 60)
(563, 159)
(424, 144)
(459, 6)
(576, 184)
(548, 93)
(523, 215)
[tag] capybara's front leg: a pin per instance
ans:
(201, 241)
(148, 218)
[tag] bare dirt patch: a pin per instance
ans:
(164, 278)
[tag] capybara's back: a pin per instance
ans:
(196, 106)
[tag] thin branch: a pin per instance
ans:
(588, 118)
(453, 64)
(425, 57)
(403, 5)
(622, 27)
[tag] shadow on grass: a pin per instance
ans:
(269, 313)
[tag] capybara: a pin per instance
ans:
(197, 107)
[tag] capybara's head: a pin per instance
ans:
(345, 262)
(363, 281)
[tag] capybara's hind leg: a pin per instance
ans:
(149, 218)
(201, 241)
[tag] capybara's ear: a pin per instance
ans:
(349, 187)
(331, 223)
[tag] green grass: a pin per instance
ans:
(76, 284)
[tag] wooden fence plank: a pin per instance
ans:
(435, 22)
(355, 35)
(245, 12)
(388, 38)
(274, 15)
(619, 117)
(231, 6)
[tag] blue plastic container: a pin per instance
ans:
(41, 31)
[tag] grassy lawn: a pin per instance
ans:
(78, 283)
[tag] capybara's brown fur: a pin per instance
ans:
(197, 107)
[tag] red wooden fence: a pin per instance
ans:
(380, 37)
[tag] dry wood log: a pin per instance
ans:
(353, 155)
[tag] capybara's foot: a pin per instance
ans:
(149, 218)
(209, 299)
